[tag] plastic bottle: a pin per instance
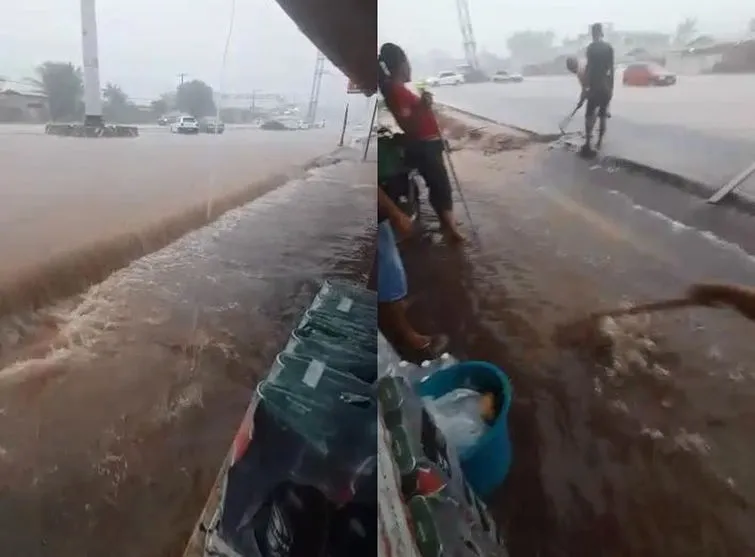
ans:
(429, 367)
(411, 372)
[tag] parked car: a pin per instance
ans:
(169, 118)
(185, 124)
(211, 125)
(445, 78)
(502, 76)
(647, 74)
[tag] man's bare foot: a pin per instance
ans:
(587, 152)
(453, 236)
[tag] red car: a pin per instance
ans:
(647, 74)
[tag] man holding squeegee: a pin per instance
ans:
(599, 78)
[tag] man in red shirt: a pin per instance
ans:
(414, 114)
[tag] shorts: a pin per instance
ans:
(427, 157)
(598, 101)
(391, 277)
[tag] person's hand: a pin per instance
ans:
(740, 298)
(708, 294)
(403, 226)
(427, 98)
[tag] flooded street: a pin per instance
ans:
(115, 423)
(683, 130)
(76, 208)
(644, 451)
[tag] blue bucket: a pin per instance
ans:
(485, 464)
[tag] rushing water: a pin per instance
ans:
(117, 413)
(640, 451)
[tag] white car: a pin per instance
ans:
(502, 76)
(185, 124)
(445, 78)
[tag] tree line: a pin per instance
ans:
(526, 42)
(63, 85)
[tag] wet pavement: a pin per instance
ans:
(118, 407)
(701, 129)
(645, 452)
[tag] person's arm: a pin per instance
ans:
(589, 63)
(611, 66)
(739, 298)
(399, 220)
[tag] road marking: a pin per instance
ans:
(609, 229)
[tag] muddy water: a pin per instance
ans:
(114, 421)
(74, 210)
(645, 451)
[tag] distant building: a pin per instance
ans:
(243, 108)
(22, 104)
(703, 55)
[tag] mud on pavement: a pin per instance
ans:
(639, 451)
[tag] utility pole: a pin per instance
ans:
(181, 77)
(93, 125)
(467, 34)
(314, 95)
(92, 93)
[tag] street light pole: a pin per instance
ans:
(92, 94)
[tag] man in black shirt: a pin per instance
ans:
(599, 74)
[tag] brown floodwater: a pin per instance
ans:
(641, 451)
(117, 407)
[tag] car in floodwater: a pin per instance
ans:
(445, 78)
(186, 125)
(647, 74)
(502, 76)
(211, 125)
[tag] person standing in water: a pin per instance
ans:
(599, 77)
(414, 114)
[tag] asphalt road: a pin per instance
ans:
(702, 129)
(63, 194)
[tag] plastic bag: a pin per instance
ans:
(457, 415)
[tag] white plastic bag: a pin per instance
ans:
(457, 415)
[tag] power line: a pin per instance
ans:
(181, 77)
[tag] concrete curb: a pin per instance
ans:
(535, 136)
(688, 185)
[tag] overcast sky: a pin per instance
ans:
(421, 25)
(144, 44)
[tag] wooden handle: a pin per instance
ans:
(645, 308)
